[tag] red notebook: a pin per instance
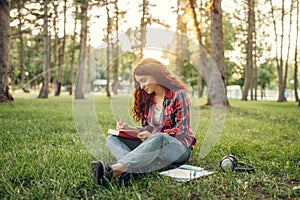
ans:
(124, 133)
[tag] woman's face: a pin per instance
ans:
(147, 83)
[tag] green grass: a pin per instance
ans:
(43, 157)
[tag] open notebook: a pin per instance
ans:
(186, 173)
(124, 133)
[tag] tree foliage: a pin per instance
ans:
(273, 22)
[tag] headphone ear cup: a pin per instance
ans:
(234, 160)
(228, 163)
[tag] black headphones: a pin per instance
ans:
(230, 164)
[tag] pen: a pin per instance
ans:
(120, 122)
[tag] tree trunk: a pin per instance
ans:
(199, 39)
(73, 53)
(56, 42)
(249, 65)
(115, 69)
(217, 42)
(79, 90)
(21, 50)
(44, 92)
(4, 52)
(178, 38)
(116, 51)
(279, 62)
(255, 71)
(143, 27)
(281, 97)
(295, 58)
(108, 51)
(288, 50)
(62, 54)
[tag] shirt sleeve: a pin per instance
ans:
(145, 127)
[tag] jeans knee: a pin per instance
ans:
(159, 136)
(111, 139)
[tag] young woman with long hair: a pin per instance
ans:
(163, 108)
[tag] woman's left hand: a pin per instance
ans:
(144, 135)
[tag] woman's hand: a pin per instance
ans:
(144, 135)
(121, 125)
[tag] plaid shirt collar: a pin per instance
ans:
(168, 95)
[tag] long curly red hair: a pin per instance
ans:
(163, 77)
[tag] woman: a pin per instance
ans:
(163, 108)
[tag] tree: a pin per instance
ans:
(4, 52)
(249, 49)
(217, 41)
(144, 23)
(279, 59)
(254, 77)
(55, 41)
(116, 50)
(44, 92)
(288, 48)
(79, 90)
(178, 36)
(108, 33)
(62, 54)
(199, 39)
(74, 47)
(295, 58)
(147, 19)
(20, 5)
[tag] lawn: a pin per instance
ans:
(44, 157)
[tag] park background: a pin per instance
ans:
(47, 45)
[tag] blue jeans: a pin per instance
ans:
(158, 151)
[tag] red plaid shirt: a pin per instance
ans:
(175, 118)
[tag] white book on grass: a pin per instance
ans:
(185, 173)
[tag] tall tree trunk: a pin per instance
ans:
(255, 71)
(178, 38)
(44, 92)
(21, 50)
(116, 51)
(56, 42)
(199, 39)
(108, 94)
(295, 58)
(249, 65)
(281, 97)
(276, 42)
(288, 50)
(217, 42)
(279, 61)
(73, 53)
(143, 27)
(79, 90)
(4, 52)
(62, 54)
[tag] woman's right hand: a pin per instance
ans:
(121, 125)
